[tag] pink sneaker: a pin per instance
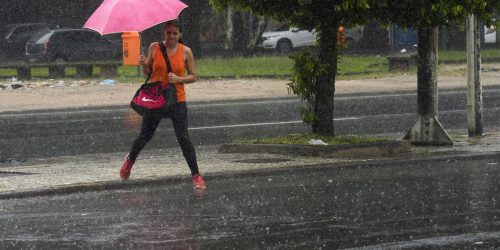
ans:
(126, 168)
(198, 182)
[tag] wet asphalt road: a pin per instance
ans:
(38, 134)
(432, 204)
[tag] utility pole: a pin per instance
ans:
(474, 89)
(427, 129)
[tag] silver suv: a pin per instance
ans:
(285, 39)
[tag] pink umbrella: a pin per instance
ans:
(116, 16)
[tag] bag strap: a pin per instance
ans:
(165, 57)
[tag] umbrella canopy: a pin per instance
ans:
(116, 16)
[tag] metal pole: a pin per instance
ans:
(474, 89)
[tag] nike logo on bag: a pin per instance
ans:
(144, 99)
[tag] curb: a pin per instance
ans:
(371, 149)
(90, 187)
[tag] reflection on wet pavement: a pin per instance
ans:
(399, 205)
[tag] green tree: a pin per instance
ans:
(426, 16)
(325, 16)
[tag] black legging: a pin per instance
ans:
(179, 120)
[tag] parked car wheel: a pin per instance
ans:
(284, 46)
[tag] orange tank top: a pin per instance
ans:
(178, 67)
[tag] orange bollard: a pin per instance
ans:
(131, 48)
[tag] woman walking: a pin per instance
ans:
(182, 60)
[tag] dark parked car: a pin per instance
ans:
(71, 45)
(14, 38)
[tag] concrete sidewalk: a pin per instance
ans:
(100, 171)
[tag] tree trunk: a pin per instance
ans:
(325, 84)
(229, 30)
(257, 38)
(427, 130)
(239, 33)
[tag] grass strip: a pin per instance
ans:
(303, 139)
(268, 66)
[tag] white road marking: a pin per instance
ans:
(262, 124)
